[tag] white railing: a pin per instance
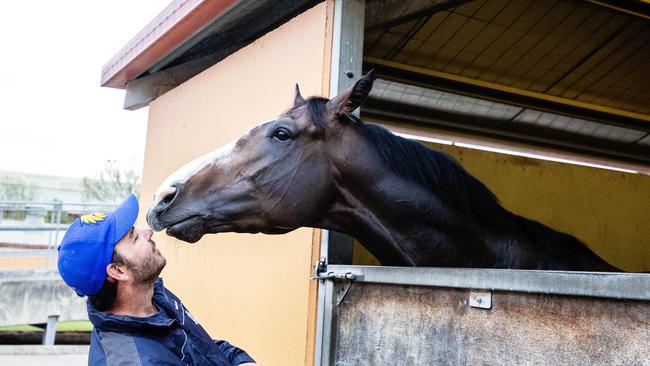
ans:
(35, 229)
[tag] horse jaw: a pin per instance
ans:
(186, 231)
(191, 232)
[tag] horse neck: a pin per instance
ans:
(402, 223)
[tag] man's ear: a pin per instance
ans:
(117, 272)
(351, 98)
(298, 99)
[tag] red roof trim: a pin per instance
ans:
(168, 30)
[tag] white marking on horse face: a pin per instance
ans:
(181, 175)
(219, 157)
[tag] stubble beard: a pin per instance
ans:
(149, 269)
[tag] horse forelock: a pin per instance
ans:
(434, 171)
(316, 107)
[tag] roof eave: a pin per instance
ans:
(173, 26)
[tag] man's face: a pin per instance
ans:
(143, 261)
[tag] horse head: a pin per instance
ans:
(277, 177)
(318, 166)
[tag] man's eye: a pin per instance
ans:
(281, 134)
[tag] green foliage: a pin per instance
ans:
(66, 218)
(69, 326)
(15, 189)
(112, 184)
(14, 215)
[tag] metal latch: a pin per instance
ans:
(321, 273)
(335, 276)
(480, 299)
(320, 266)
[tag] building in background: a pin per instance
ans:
(17, 186)
(37, 202)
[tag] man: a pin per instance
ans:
(137, 321)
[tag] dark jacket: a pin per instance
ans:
(169, 337)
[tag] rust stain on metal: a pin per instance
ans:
(408, 325)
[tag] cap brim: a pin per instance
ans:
(125, 215)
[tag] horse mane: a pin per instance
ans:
(435, 171)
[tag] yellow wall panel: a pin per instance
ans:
(607, 210)
(249, 289)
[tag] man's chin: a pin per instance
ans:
(163, 264)
(154, 276)
(150, 276)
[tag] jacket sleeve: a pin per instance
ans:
(232, 353)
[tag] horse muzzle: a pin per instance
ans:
(153, 219)
(162, 202)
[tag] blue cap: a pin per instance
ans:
(88, 244)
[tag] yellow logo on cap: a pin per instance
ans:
(92, 218)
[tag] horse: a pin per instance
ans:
(318, 165)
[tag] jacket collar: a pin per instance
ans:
(120, 323)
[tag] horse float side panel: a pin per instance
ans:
(381, 324)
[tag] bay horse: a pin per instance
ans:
(318, 165)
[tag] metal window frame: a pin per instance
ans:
(346, 68)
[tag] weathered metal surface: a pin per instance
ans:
(380, 324)
(480, 299)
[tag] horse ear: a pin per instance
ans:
(298, 99)
(351, 98)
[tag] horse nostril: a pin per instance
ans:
(167, 196)
(168, 199)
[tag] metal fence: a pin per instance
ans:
(30, 232)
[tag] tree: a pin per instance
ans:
(15, 189)
(112, 184)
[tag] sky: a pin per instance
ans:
(55, 119)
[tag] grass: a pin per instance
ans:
(72, 326)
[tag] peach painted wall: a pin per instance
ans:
(252, 290)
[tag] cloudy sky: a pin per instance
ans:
(54, 117)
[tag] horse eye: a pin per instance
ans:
(281, 134)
